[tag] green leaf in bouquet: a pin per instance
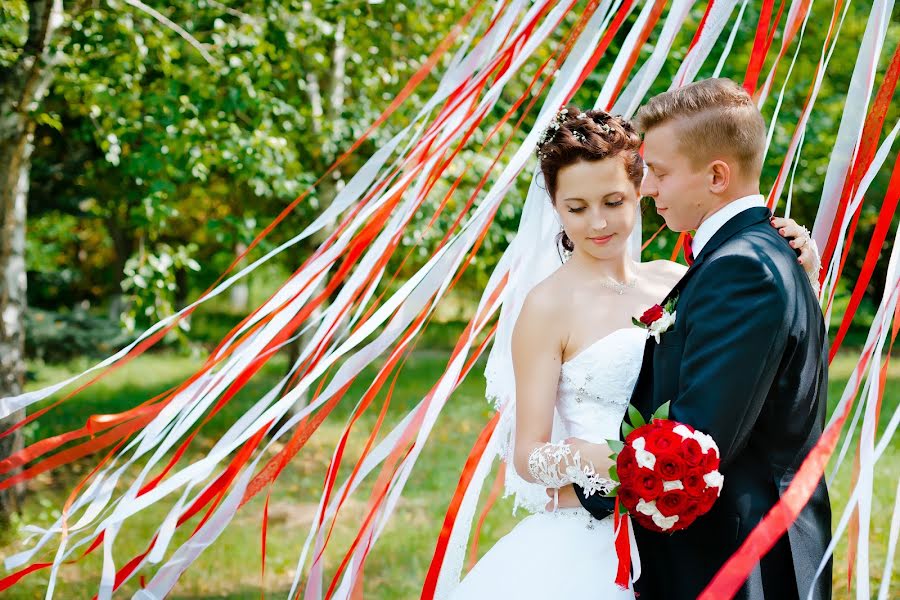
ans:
(612, 493)
(614, 473)
(662, 412)
(622, 509)
(634, 415)
(615, 445)
(670, 305)
(637, 323)
(626, 429)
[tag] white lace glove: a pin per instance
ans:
(800, 236)
(815, 266)
(554, 466)
(813, 274)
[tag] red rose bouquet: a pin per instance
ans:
(667, 472)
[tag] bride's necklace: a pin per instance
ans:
(617, 286)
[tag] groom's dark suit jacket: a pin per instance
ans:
(745, 362)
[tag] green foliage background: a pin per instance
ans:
(153, 166)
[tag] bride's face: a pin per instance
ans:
(597, 205)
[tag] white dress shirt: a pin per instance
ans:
(711, 225)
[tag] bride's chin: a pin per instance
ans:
(605, 253)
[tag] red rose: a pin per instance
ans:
(692, 510)
(693, 483)
(647, 485)
(653, 314)
(663, 441)
(645, 522)
(629, 498)
(699, 470)
(708, 498)
(688, 516)
(684, 521)
(629, 439)
(692, 452)
(710, 460)
(669, 466)
(626, 464)
(672, 503)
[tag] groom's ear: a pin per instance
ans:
(719, 176)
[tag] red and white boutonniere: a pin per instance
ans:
(657, 319)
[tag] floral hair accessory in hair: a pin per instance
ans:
(604, 127)
(550, 132)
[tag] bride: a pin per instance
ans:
(575, 358)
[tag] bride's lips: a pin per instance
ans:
(661, 209)
(600, 241)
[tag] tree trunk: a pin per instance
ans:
(22, 85)
(327, 189)
(239, 296)
(123, 245)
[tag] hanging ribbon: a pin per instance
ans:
(621, 524)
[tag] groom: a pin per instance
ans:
(745, 360)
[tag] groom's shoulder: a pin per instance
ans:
(760, 243)
(757, 251)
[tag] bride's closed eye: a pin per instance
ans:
(576, 210)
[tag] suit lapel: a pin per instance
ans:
(731, 228)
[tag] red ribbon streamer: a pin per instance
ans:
(867, 149)
(623, 547)
(760, 48)
(444, 539)
(879, 235)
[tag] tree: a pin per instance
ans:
(22, 85)
(29, 56)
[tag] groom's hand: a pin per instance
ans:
(567, 498)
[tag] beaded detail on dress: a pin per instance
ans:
(595, 386)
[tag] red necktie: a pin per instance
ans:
(688, 252)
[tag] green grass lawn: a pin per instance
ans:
(397, 564)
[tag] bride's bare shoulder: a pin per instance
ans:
(548, 302)
(664, 271)
(548, 296)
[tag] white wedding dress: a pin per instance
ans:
(568, 553)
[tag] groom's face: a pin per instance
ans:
(677, 187)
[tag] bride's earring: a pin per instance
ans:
(567, 246)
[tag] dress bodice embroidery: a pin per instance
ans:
(595, 386)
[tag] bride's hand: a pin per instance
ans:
(802, 243)
(800, 240)
(567, 498)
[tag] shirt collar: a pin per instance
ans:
(715, 221)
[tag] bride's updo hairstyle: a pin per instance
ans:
(575, 136)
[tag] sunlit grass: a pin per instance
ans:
(231, 567)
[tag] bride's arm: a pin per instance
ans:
(537, 360)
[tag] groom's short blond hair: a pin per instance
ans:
(715, 119)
